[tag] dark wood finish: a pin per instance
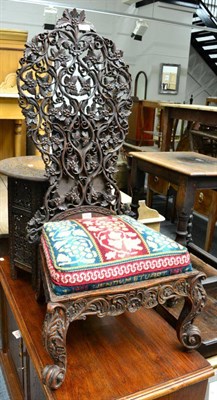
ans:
(207, 320)
(204, 141)
(27, 186)
(187, 112)
(204, 114)
(25, 197)
(113, 301)
(111, 358)
(188, 170)
(202, 254)
(5, 354)
(206, 204)
(141, 125)
(76, 110)
(74, 90)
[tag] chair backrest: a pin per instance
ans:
(75, 92)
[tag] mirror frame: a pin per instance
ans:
(169, 91)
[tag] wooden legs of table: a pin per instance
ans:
(137, 178)
(18, 137)
(212, 218)
(167, 127)
(184, 208)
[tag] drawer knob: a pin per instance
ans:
(201, 197)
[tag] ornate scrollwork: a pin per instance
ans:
(59, 316)
(133, 300)
(54, 337)
(188, 334)
(74, 91)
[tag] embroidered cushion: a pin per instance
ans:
(86, 254)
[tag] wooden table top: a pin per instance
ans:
(132, 356)
(185, 162)
(132, 147)
(211, 100)
(26, 167)
(193, 107)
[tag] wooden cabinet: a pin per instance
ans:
(26, 384)
(11, 50)
(206, 204)
(25, 197)
(12, 127)
(27, 185)
(141, 125)
(129, 357)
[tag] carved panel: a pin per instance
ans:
(25, 197)
(74, 90)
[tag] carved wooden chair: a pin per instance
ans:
(74, 90)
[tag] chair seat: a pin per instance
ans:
(87, 254)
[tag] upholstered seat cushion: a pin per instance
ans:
(85, 254)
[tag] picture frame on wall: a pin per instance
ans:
(169, 78)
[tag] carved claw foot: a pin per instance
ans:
(53, 376)
(188, 334)
(54, 337)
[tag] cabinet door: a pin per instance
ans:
(15, 346)
(36, 392)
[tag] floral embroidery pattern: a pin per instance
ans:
(104, 249)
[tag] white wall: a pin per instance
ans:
(201, 80)
(163, 42)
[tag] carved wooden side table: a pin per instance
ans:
(188, 170)
(26, 187)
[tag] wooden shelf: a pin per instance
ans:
(133, 356)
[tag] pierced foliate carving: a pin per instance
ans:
(59, 316)
(74, 91)
(56, 324)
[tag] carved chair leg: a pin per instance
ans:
(188, 334)
(54, 336)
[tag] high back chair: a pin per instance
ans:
(74, 90)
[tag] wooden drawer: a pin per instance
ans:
(158, 185)
(205, 200)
